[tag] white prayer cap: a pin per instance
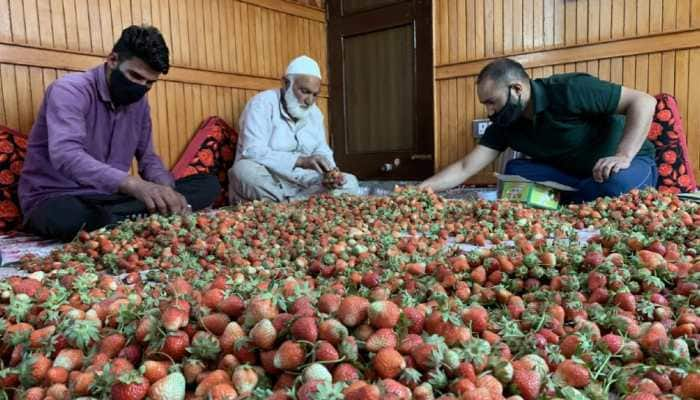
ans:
(304, 65)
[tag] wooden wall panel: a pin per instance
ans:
(223, 52)
(649, 45)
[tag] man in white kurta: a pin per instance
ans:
(282, 151)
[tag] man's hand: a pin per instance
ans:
(157, 198)
(609, 165)
(316, 162)
(333, 179)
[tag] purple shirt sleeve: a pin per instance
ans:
(65, 118)
(151, 167)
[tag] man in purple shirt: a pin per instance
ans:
(90, 127)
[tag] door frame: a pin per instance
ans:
(419, 13)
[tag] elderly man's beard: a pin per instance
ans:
(294, 106)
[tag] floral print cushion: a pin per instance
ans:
(13, 147)
(675, 171)
(211, 151)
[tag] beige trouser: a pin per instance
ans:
(249, 180)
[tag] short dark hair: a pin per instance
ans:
(146, 43)
(503, 69)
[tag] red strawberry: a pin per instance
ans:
(329, 303)
(332, 331)
(267, 361)
(641, 396)
(112, 344)
(371, 279)
(57, 391)
(215, 323)
(245, 352)
(663, 381)
(70, 359)
(263, 334)
(612, 342)
(155, 370)
(626, 301)
(384, 314)
(569, 345)
(303, 307)
(651, 260)
(455, 335)
(425, 356)
(40, 365)
(175, 345)
(212, 298)
(381, 339)
(222, 391)
(308, 390)
(212, 379)
(388, 363)
(179, 287)
(282, 321)
(477, 317)
(130, 387)
(492, 384)
(326, 352)
(574, 374)
(353, 310)
(360, 390)
(290, 355)
(593, 259)
(245, 379)
(416, 318)
(528, 383)
(690, 387)
(345, 373)
(120, 366)
(392, 389)
(27, 286)
(654, 338)
(305, 328)
(516, 306)
(191, 369)
(176, 316)
(599, 296)
(409, 342)
(82, 383)
(34, 393)
(260, 308)
(231, 334)
(232, 306)
(57, 375)
(132, 353)
(434, 322)
(146, 329)
(40, 337)
(596, 280)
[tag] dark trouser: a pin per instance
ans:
(63, 217)
(641, 173)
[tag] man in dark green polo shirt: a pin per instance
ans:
(577, 130)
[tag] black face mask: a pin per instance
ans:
(509, 113)
(123, 91)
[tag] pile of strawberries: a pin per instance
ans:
(366, 298)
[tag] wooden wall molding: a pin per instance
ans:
(616, 48)
(72, 61)
(285, 7)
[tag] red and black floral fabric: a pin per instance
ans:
(13, 146)
(667, 134)
(211, 151)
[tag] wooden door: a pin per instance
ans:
(381, 93)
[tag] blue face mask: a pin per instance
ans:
(123, 91)
(509, 113)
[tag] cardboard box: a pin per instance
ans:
(536, 194)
